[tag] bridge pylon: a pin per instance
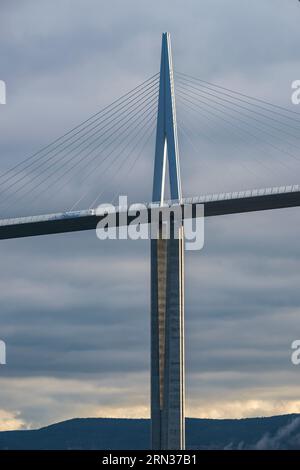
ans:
(167, 279)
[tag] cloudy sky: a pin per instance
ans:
(75, 312)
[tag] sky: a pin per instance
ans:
(75, 312)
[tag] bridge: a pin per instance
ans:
(153, 102)
(214, 204)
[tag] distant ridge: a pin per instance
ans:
(277, 432)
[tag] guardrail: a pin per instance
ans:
(192, 200)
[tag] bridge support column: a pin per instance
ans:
(167, 343)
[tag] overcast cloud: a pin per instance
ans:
(75, 311)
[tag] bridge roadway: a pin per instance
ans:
(214, 205)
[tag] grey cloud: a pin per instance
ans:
(75, 311)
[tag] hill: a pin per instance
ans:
(278, 432)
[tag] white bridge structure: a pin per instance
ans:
(167, 257)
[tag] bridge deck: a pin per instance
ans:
(214, 205)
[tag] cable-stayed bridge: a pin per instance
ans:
(94, 153)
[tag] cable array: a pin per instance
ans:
(264, 135)
(84, 156)
(89, 161)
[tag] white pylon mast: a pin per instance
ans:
(166, 133)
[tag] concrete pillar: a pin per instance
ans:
(167, 343)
